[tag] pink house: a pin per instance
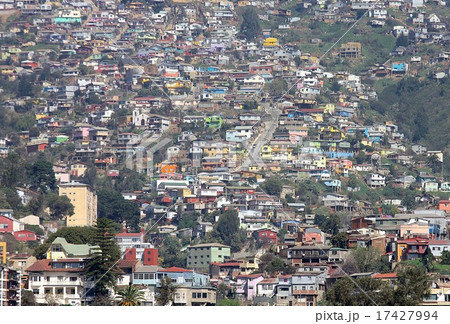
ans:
(246, 285)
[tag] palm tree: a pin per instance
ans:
(130, 296)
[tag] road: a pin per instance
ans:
(254, 148)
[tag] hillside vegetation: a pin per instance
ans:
(420, 108)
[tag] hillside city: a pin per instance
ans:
(224, 153)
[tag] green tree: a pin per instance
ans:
(187, 221)
(340, 240)
(445, 257)
(84, 70)
(12, 170)
(102, 301)
(277, 87)
(28, 298)
(365, 258)
(250, 105)
(227, 227)
(222, 291)
(389, 209)
(164, 293)
(273, 186)
(25, 87)
(60, 206)
(130, 296)
(171, 254)
(277, 265)
(250, 27)
(102, 267)
(319, 219)
(93, 99)
(434, 163)
(335, 86)
(331, 225)
(402, 41)
(228, 302)
(364, 291)
(41, 176)
(413, 284)
(36, 204)
(112, 205)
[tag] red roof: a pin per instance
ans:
(384, 275)
(44, 265)
(250, 276)
(439, 242)
(414, 240)
(227, 264)
(128, 234)
(127, 263)
(175, 269)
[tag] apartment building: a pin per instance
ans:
(10, 290)
(84, 200)
(200, 256)
(60, 281)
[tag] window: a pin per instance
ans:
(36, 291)
(3, 226)
(57, 248)
(73, 278)
(204, 295)
(194, 295)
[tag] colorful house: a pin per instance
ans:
(270, 42)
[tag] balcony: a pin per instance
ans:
(305, 292)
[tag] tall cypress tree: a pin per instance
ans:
(102, 267)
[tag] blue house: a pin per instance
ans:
(333, 184)
(399, 67)
(152, 276)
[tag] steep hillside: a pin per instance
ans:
(420, 108)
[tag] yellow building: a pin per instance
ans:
(60, 249)
(84, 200)
(78, 169)
(321, 162)
(329, 109)
(3, 252)
(270, 42)
(386, 152)
(266, 152)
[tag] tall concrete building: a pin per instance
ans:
(84, 200)
(200, 256)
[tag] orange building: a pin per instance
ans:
(168, 168)
(444, 205)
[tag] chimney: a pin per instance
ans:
(130, 254)
(150, 256)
